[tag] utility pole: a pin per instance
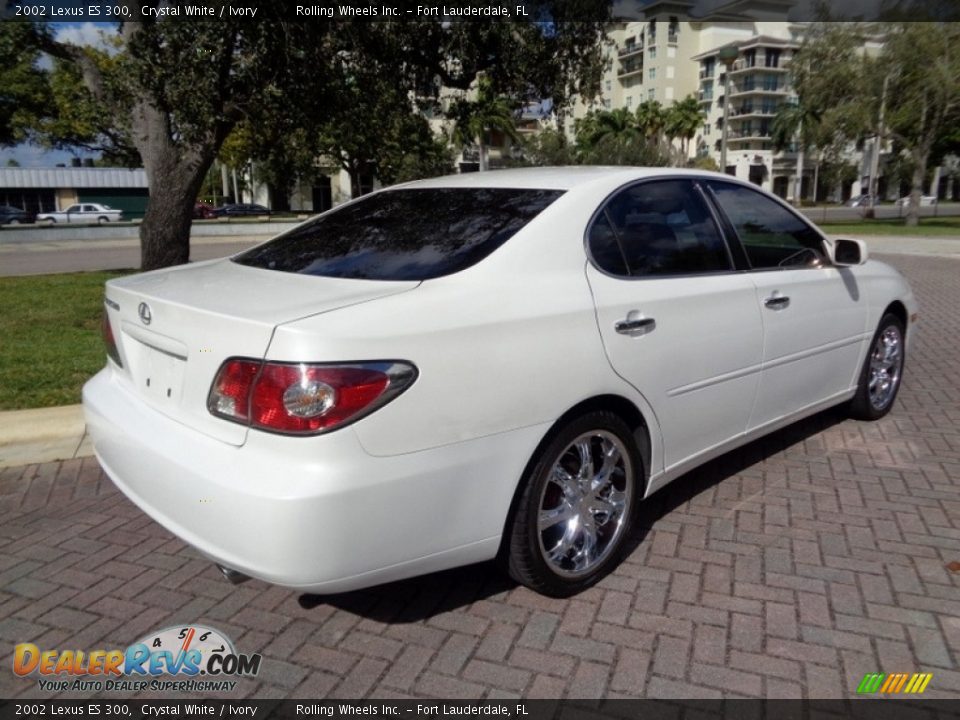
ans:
(875, 157)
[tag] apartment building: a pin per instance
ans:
(758, 79)
(667, 53)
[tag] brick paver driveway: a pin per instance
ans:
(789, 568)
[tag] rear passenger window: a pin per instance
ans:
(657, 228)
(772, 236)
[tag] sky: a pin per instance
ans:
(28, 155)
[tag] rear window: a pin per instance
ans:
(403, 234)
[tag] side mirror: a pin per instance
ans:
(849, 252)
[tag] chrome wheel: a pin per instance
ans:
(585, 503)
(886, 364)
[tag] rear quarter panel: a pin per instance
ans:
(509, 343)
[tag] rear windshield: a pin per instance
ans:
(403, 234)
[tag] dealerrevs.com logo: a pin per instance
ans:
(187, 659)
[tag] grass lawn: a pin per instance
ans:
(928, 227)
(50, 330)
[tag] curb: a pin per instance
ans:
(43, 435)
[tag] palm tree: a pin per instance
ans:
(650, 119)
(683, 119)
(619, 124)
(795, 122)
(475, 120)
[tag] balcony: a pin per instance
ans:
(704, 96)
(672, 38)
(706, 73)
(628, 50)
(629, 68)
(755, 88)
(745, 110)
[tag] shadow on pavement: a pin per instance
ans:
(421, 598)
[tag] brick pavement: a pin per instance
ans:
(789, 568)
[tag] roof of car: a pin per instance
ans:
(551, 178)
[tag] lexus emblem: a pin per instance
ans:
(144, 312)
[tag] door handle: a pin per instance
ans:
(635, 326)
(777, 302)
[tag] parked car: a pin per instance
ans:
(15, 216)
(500, 364)
(203, 211)
(83, 213)
(925, 200)
(241, 210)
(860, 201)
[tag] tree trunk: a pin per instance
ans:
(354, 172)
(165, 230)
(483, 154)
(916, 190)
(816, 180)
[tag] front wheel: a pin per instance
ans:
(14, 221)
(103, 220)
(882, 371)
(577, 507)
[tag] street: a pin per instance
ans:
(789, 568)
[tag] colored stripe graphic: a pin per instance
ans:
(912, 683)
(870, 683)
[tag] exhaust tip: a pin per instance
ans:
(234, 576)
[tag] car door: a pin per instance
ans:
(73, 213)
(814, 314)
(678, 322)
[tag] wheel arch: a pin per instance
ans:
(617, 404)
(898, 310)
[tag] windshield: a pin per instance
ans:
(412, 234)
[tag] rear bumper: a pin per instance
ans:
(317, 514)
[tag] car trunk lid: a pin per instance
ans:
(174, 328)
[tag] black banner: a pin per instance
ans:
(473, 10)
(889, 709)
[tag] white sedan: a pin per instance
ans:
(499, 364)
(83, 213)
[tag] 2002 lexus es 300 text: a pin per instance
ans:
(501, 364)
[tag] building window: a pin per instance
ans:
(609, 84)
(606, 103)
(773, 58)
(653, 53)
(706, 128)
(651, 94)
(629, 100)
(653, 74)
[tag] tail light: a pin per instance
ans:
(304, 398)
(108, 340)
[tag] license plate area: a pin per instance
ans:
(157, 374)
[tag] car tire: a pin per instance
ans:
(14, 221)
(103, 220)
(882, 371)
(545, 549)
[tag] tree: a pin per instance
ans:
(175, 90)
(921, 65)
(475, 120)
(651, 119)
(600, 126)
(24, 91)
(682, 120)
(549, 147)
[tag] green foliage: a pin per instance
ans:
(24, 92)
(549, 148)
(682, 120)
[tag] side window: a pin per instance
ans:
(772, 236)
(73, 209)
(662, 228)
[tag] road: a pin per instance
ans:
(77, 255)
(787, 569)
